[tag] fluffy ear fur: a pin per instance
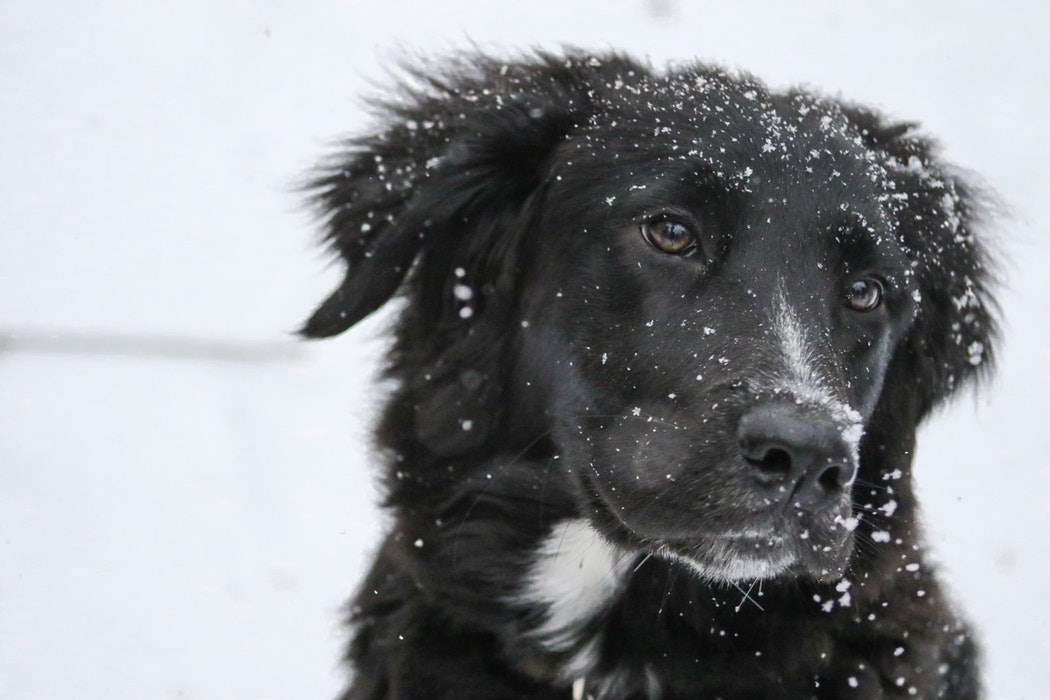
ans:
(939, 216)
(434, 177)
(950, 343)
(441, 196)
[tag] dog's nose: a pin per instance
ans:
(805, 460)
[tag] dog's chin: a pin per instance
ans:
(748, 557)
(733, 557)
(790, 551)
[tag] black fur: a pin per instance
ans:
(589, 375)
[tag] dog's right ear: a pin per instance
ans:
(456, 150)
(941, 221)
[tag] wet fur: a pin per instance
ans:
(461, 184)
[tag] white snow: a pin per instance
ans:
(178, 526)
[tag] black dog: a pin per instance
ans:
(666, 342)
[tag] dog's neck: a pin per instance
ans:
(578, 586)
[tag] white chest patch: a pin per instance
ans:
(575, 575)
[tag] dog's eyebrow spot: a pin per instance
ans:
(575, 575)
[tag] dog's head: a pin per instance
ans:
(724, 310)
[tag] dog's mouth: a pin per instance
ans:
(735, 556)
(818, 549)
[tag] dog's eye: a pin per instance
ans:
(670, 236)
(864, 294)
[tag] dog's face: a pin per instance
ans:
(696, 291)
(720, 314)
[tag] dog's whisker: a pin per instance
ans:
(868, 485)
(747, 596)
(672, 577)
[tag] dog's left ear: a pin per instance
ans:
(940, 219)
(437, 205)
(459, 154)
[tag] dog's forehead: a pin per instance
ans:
(755, 140)
(798, 164)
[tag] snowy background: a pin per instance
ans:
(185, 492)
